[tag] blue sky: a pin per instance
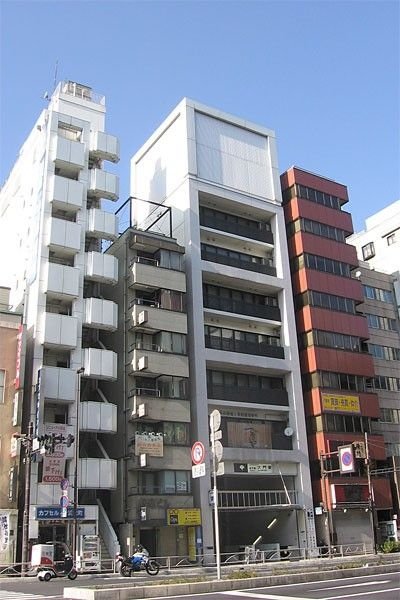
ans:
(324, 75)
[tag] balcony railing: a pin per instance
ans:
(275, 397)
(257, 349)
(272, 313)
(266, 269)
(263, 234)
(234, 500)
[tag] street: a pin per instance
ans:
(368, 587)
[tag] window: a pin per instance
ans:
(2, 385)
(392, 237)
(69, 132)
(368, 251)
(384, 352)
(390, 415)
(377, 322)
(321, 263)
(374, 293)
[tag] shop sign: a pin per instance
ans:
(341, 403)
(54, 464)
(4, 531)
(183, 516)
(17, 380)
(149, 443)
(52, 513)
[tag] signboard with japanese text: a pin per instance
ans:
(149, 443)
(44, 513)
(341, 403)
(17, 380)
(54, 464)
(183, 516)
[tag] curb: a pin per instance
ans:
(176, 589)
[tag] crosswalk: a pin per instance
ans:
(9, 595)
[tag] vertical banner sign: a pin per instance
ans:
(37, 402)
(17, 380)
(54, 464)
(346, 459)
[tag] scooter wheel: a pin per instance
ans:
(72, 574)
(47, 576)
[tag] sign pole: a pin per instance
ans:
(215, 494)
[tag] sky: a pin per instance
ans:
(324, 75)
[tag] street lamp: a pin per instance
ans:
(79, 374)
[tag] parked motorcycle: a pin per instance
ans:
(139, 561)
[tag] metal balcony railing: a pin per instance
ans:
(243, 500)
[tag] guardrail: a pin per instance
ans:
(245, 556)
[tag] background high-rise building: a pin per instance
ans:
(340, 400)
(53, 226)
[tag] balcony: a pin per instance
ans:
(99, 417)
(232, 345)
(245, 500)
(262, 234)
(274, 397)
(104, 146)
(59, 384)
(59, 331)
(146, 273)
(65, 194)
(102, 268)
(61, 281)
(102, 224)
(68, 154)
(146, 402)
(100, 314)
(100, 364)
(103, 184)
(63, 237)
(271, 313)
(152, 318)
(266, 267)
(157, 362)
(97, 473)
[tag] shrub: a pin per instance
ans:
(242, 574)
(390, 546)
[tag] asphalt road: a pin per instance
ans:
(373, 587)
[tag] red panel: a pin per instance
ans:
(314, 244)
(309, 279)
(316, 358)
(309, 317)
(300, 207)
(296, 175)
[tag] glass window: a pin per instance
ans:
(368, 251)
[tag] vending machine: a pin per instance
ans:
(88, 558)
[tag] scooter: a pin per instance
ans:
(139, 561)
(50, 572)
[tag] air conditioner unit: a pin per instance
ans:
(143, 363)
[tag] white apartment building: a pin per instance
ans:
(378, 250)
(219, 174)
(52, 227)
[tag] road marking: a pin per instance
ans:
(265, 596)
(363, 594)
(353, 585)
(8, 595)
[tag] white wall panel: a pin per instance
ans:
(233, 156)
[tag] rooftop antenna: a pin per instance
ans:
(55, 75)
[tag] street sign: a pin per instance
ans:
(215, 420)
(218, 450)
(198, 470)
(64, 484)
(198, 453)
(217, 435)
(220, 469)
(64, 501)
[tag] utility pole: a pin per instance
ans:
(26, 440)
(217, 467)
(371, 499)
(75, 528)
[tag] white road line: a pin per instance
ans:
(353, 585)
(265, 596)
(9, 595)
(363, 594)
